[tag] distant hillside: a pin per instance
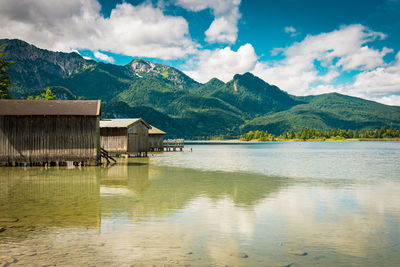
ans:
(60, 92)
(191, 124)
(329, 111)
(177, 104)
(117, 110)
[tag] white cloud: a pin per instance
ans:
(381, 80)
(223, 63)
(392, 100)
(337, 51)
(381, 84)
(291, 31)
(226, 12)
(103, 57)
(142, 30)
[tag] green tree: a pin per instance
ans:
(292, 134)
(5, 81)
(356, 134)
(286, 136)
(48, 95)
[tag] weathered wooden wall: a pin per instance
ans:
(49, 138)
(139, 138)
(114, 140)
(156, 142)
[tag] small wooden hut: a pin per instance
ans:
(125, 136)
(40, 131)
(156, 139)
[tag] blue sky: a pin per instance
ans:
(304, 47)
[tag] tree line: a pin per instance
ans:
(5, 81)
(316, 134)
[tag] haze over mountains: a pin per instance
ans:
(174, 102)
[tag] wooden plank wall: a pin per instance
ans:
(114, 140)
(49, 138)
(143, 134)
(133, 143)
(156, 141)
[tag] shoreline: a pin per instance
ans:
(238, 141)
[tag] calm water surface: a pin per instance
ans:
(274, 204)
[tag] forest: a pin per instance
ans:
(385, 133)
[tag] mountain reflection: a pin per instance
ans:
(78, 197)
(149, 190)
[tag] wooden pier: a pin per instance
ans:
(174, 144)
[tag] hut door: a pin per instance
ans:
(133, 143)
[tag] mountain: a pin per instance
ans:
(175, 78)
(115, 110)
(254, 96)
(174, 102)
(192, 124)
(34, 68)
(62, 93)
(328, 111)
(209, 87)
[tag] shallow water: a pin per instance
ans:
(270, 204)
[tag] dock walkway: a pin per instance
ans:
(174, 144)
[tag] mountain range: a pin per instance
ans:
(171, 100)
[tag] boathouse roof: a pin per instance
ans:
(12, 107)
(122, 123)
(154, 130)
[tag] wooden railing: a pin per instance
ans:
(174, 144)
(104, 154)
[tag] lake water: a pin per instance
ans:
(272, 204)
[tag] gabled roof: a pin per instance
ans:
(10, 107)
(121, 123)
(154, 130)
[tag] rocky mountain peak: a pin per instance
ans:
(35, 67)
(141, 65)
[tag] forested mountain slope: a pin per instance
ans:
(179, 105)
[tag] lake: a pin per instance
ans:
(270, 204)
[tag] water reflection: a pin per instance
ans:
(138, 212)
(50, 197)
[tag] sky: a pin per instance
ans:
(303, 46)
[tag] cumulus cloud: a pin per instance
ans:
(141, 30)
(381, 84)
(384, 79)
(103, 57)
(226, 12)
(223, 63)
(341, 50)
(299, 72)
(291, 31)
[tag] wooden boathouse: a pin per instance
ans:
(156, 138)
(49, 131)
(128, 137)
